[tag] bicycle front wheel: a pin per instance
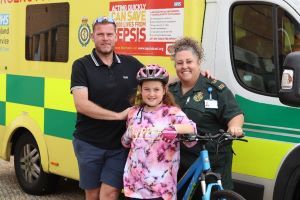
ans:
(226, 194)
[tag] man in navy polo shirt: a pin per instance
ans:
(101, 84)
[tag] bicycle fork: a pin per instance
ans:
(207, 173)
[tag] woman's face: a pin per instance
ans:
(187, 66)
(152, 93)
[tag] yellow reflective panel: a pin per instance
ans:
(62, 162)
(57, 95)
(2, 87)
(18, 111)
(259, 157)
(194, 14)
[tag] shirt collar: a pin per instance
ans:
(198, 86)
(97, 61)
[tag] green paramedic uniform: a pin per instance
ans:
(212, 117)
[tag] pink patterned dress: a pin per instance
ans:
(152, 164)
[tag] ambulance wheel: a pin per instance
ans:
(288, 179)
(28, 168)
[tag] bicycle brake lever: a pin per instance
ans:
(240, 138)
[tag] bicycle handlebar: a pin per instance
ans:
(204, 136)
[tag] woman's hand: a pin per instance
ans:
(235, 125)
(235, 131)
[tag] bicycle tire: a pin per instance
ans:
(226, 194)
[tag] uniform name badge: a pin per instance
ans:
(211, 103)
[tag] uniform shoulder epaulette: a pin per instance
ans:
(217, 84)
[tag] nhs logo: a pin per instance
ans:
(177, 4)
(4, 19)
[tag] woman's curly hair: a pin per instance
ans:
(187, 43)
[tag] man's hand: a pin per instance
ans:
(123, 115)
(206, 73)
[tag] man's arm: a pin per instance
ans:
(84, 106)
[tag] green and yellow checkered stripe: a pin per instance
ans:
(47, 100)
(2, 98)
(49, 103)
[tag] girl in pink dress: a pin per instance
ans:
(152, 125)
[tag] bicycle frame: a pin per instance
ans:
(200, 165)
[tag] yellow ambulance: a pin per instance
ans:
(245, 44)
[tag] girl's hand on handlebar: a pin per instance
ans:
(169, 134)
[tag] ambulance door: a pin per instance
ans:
(253, 38)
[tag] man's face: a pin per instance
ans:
(104, 37)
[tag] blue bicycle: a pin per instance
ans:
(201, 169)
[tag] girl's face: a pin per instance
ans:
(152, 93)
(187, 66)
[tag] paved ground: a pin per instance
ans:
(10, 190)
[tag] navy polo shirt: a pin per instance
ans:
(109, 87)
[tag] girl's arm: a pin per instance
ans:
(181, 125)
(184, 128)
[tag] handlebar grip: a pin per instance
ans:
(240, 138)
(243, 140)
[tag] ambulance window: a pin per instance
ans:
(253, 51)
(47, 32)
(289, 35)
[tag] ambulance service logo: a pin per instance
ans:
(198, 96)
(84, 32)
(4, 19)
(4, 32)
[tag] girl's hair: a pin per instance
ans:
(187, 43)
(137, 100)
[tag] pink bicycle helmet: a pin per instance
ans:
(152, 72)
